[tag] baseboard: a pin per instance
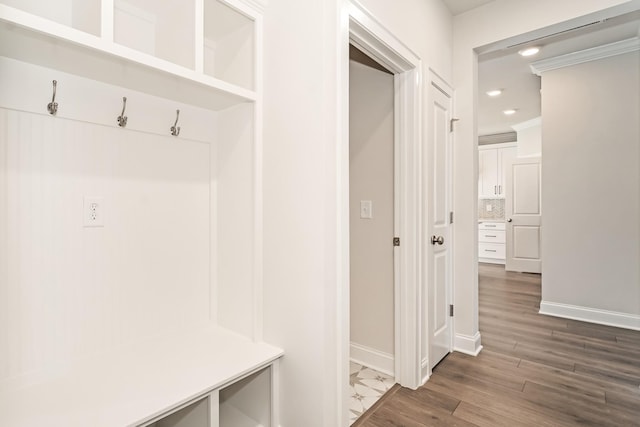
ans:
(424, 370)
(491, 261)
(466, 344)
(372, 358)
(592, 315)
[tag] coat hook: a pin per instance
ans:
(122, 119)
(175, 130)
(52, 107)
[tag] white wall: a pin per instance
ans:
(300, 203)
(492, 23)
(305, 289)
(591, 183)
(529, 137)
(371, 178)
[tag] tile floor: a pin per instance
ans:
(367, 386)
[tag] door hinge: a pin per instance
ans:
(450, 217)
(451, 122)
(451, 310)
(396, 241)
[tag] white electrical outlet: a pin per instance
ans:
(489, 208)
(93, 212)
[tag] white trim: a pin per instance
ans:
(258, 190)
(587, 55)
(372, 358)
(424, 368)
(592, 315)
(466, 344)
(370, 36)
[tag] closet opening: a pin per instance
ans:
(372, 231)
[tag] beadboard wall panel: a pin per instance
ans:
(69, 291)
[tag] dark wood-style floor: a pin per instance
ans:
(534, 370)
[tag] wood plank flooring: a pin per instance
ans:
(534, 370)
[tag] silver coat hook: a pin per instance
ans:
(175, 129)
(52, 107)
(122, 119)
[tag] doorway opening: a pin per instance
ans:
(371, 231)
(376, 43)
(566, 181)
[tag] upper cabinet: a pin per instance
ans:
(491, 169)
(202, 52)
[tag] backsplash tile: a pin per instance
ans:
(496, 206)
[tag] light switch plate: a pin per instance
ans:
(366, 209)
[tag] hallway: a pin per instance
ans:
(534, 370)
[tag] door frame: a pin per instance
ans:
(372, 38)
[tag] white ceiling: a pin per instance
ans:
(460, 6)
(506, 70)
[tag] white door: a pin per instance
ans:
(506, 156)
(439, 227)
(523, 213)
(488, 172)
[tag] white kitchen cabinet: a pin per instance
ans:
(491, 172)
(491, 242)
(153, 318)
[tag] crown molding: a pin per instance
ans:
(587, 55)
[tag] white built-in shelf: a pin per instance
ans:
(141, 44)
(229, 49)
(146, 381)
(111, 362)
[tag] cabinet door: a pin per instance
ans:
(488, 173)
(506, 156)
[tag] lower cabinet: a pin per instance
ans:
(245, 402)
(491, 242)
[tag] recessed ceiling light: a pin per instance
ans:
(509, 112)
(494, 92)
(530, 51)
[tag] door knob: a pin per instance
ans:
(437, 240)
(509, 220)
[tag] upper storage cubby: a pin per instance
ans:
(164, 29)
(83, 15)
(229, 46)
(201, 52)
